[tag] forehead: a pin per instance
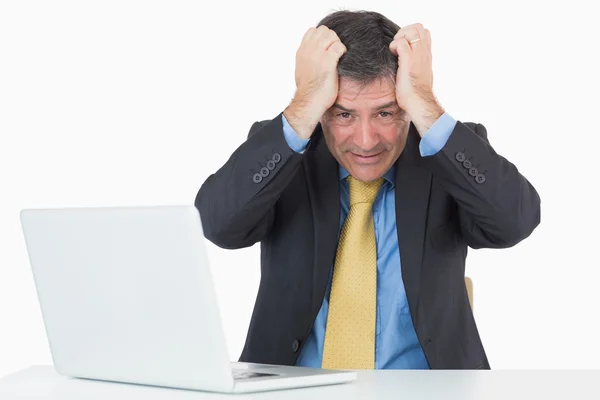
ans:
(352, 93)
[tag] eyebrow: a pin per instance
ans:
(381, 107)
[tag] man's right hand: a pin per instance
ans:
(316, 79)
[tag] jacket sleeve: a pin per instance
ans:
(237, 203)
(498, 207)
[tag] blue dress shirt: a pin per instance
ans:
(396, 342)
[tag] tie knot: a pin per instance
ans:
(363, 192)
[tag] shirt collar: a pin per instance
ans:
(389, 176)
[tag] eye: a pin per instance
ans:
(344, 115)
(385, 114)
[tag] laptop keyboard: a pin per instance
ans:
(245, 374)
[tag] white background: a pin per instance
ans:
(106, 103)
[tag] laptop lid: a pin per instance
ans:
(126, 295)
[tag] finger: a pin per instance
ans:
(315, 34)
(327, 40)
(411, 26)
(309, 33)
(336, 50)
(402, 49)
(322, 31)
(393, 46)
(400, 45)
(409, 34)
(421, 29)
(410, 31)
(427, 37)
(418, 27)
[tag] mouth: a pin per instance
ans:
(366, 159)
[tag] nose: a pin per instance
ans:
(365, 136)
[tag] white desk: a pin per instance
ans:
(42, 383)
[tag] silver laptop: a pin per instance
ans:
(126, 295)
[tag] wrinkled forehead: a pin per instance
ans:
(353, 94)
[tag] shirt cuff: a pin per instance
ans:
(436, 137)
(293, 140)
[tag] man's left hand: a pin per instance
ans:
(414, 79)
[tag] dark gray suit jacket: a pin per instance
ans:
(466, 195)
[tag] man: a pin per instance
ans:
(365, 194)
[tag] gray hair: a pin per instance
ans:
(367, 36)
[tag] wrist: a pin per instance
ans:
(302, 117)
(424, 113)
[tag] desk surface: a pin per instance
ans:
(43, 383)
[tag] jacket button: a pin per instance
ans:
(480, 178)
(467, 164)
(460, 157)
(271, 165)
(473, 171)
(264, 171)
(295, 346)
(276, 157)
(257, 178)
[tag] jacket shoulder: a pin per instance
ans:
(476, 127)
(257, 125)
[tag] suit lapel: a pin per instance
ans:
(324, 192)
(413, 184)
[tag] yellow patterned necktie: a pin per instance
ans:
(350, 329)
